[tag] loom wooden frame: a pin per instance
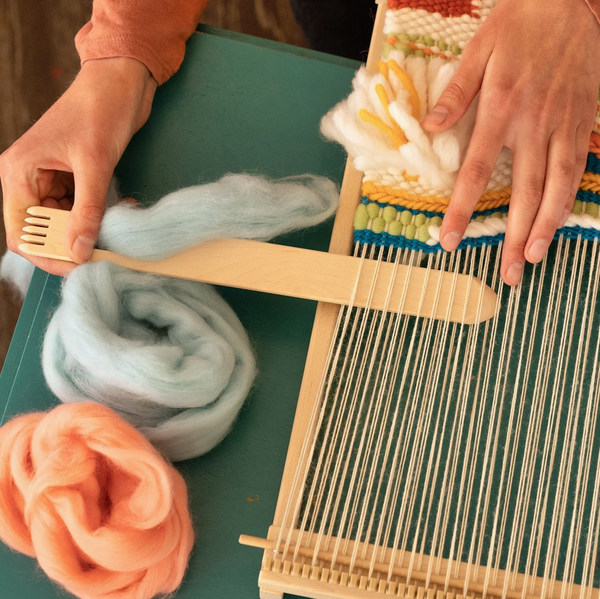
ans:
(315, 583)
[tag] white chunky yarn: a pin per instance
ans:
(434, 159)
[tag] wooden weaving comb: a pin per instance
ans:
(282, 270)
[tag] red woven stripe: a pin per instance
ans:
(447, 8)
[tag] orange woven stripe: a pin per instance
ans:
(595, 144)
(388, 195)
(590, 182)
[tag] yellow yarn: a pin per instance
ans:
(409, 85)
(388, 195)
(385, 194)
(397, 139)
(395, 133)
(590, 182)
(385, 101)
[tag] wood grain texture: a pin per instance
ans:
(295, 272)
(272, 19)
(38, 61)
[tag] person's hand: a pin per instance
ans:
(66, 160)
(538, 69)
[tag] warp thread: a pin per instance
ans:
(84, 492)
(169, 355)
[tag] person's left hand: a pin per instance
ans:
(538, 69)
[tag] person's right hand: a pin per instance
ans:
(66, 160)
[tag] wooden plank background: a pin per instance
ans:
(38, 60)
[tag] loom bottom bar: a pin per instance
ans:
(321, 582)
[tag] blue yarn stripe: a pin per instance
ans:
(593, 163)
(588, 197)
(397, 241)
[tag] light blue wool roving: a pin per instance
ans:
(170, 355)
(240, 206)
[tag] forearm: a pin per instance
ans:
(151, 31)
(595, 8)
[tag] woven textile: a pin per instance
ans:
(410, 174)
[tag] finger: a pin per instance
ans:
(581, 155)
(18, 196)
(473, 179)
(558, 194)
(59, 268)
(582, 145)
(91, 188)
(62, 204)
(65, 204)
(462, 89)
(50, 203)
(56, 184)
(529, 173)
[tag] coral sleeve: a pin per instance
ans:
(595, 8)
(152, 31)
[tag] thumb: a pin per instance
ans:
(461, 91)
(91, 189)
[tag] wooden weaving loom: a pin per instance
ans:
(442, 459)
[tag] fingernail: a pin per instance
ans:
(514, 273)
(83, 247)
(564, 218)
(436, 117)
(537, 250)
(450, 241)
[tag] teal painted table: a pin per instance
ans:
(238, 104)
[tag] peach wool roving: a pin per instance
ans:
(87, 495)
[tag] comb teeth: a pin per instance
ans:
(42, 231)
(34, 239)
(42, 222)
(39, 211)
(45, 233)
